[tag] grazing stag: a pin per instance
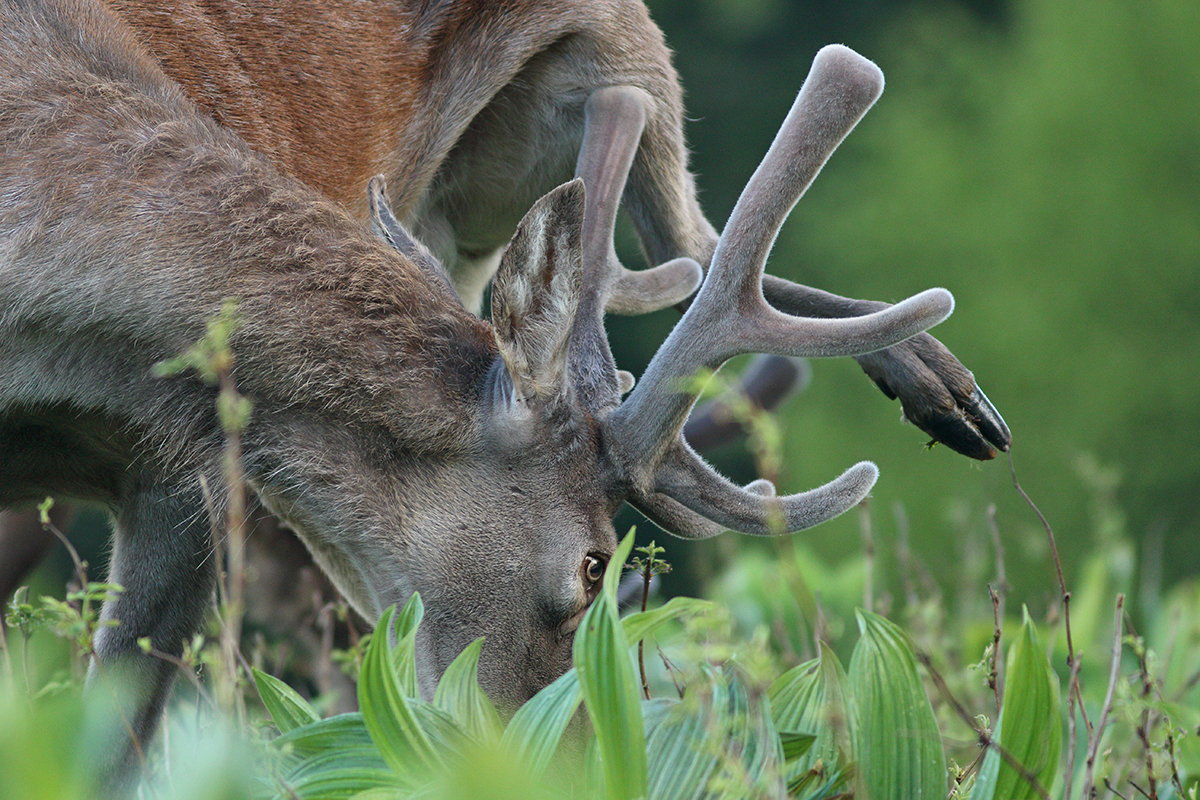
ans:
(413, 446)
(472, 110)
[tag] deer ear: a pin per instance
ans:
(392, 231)
(536, 293)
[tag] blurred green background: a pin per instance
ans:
(1039, 158)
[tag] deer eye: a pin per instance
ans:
(593, 570)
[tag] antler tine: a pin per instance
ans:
(679, 520)
(694, 502)
(614, 119)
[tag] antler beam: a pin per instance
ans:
(730, 316)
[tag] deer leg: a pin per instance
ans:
(24, 542)
(938, 394)
(163, 559)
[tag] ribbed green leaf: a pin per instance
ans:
(678, 764)
(718, 742)
(655, 710)
(288, 709)
(404, 655)
(341, 733)
(336, 761)
(448, 738)
(535, 730)
(823, 783)
(795, 745)
(387, 713)
(459, 695)
(339, 784)
(610, 690)
(898, 747)
(1031, 695)
(593, 770)
(385, 793)
(814, 697)
(640, 625)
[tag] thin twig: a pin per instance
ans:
(672, 670)
(80, 566)
(646, 575)
(1140, 789)
(1175, 779)
(1075, 692)
(1113, 789)
(1094, 742)
(1144, 723)
(994, 672)
(985, 738)
(999, 600)
(904, 555)
(235, 527)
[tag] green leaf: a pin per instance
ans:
(404, 656)
(287, 708)
(341, 784)
(333, 761)
(795, 744)
(718, 742)
(678, 765)
(388, 715)
(342, 733)
(331, 758)
(610, 690)
(459, 695)
(1031, 695)
(815, 697)
(535, 730)
(640, 625)
(447, 736)
(898, 746)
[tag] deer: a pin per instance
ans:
(471, 111)
(412, 445)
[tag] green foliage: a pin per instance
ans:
(721, 739)
(898, 745)
(1034, 737)
(740, 727)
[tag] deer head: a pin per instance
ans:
(509, 541)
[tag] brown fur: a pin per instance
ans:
(473, 109)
